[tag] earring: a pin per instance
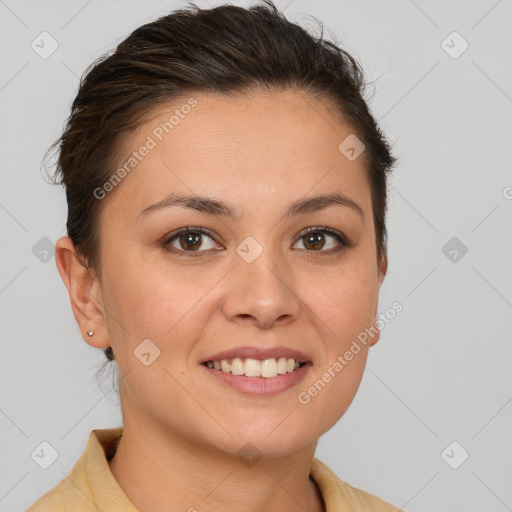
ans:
(90, 333)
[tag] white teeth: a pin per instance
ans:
(237, 366)
(269, 368)
(252, 367)
(249, 367)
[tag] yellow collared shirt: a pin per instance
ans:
(90, 486)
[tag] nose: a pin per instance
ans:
(261, 293)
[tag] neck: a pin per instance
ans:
(165, 471)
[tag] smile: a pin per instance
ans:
(249, 367)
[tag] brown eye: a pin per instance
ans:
(190, 241)
(323, 240)
(314, 241)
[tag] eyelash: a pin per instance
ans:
(344, 242)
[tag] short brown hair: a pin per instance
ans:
(228, 50)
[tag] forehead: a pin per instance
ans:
(258, 143)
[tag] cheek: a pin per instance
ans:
(344, 306)
(156, 301)
(326, 397)
(344, 301)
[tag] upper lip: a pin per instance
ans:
(259, 353)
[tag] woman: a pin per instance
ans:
(226, 188)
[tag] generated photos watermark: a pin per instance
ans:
(152, 140)
(304, 397)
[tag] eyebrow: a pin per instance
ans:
(212, 206)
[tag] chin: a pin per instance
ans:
(266, 441)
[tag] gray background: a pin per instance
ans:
(441, 371)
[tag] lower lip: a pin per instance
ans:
(261, 386)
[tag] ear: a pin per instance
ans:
(84, 291)
(382, 268)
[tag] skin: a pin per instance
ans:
(183, 429)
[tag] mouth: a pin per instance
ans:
(256, 371)
(250, 367)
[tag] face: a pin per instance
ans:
(263, 273)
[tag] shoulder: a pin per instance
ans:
(89, 477)
(52, 501)
(362, 500)
(339, 495)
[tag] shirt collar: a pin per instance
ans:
(108, 496)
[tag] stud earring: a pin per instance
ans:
(90, 333)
